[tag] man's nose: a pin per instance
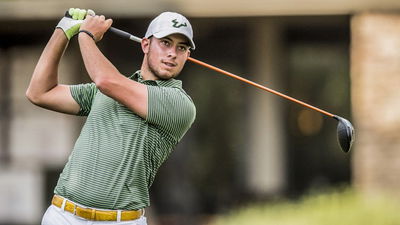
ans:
(172, 52)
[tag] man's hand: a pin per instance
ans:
(71, 23)
(96, 25)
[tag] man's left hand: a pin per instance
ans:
(73, 19)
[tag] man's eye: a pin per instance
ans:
(166, 43)
(183, 48)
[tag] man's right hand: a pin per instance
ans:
(71, 24)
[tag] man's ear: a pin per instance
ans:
(145, 45)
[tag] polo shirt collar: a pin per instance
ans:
(137, 76)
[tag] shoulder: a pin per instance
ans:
(172, 93)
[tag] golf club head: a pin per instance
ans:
(345, 133)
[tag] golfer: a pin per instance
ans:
(133, 123)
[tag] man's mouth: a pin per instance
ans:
(169, 64)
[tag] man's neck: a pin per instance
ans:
(146, 73)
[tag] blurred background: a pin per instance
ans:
(250, 156)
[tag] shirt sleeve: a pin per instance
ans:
(171, 109)
(84, 94)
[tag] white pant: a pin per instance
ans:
(57, 216)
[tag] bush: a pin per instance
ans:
(344, 207)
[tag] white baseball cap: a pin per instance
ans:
(168, 23)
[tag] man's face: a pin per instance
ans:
(167, 56)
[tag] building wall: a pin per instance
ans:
(375, 97)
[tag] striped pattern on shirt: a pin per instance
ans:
(117, 155)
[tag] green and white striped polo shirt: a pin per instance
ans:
(117, 155)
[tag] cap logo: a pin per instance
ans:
(176, 24)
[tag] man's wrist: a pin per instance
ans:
(87, 33)
(60, 33)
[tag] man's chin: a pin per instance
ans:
(166, 76)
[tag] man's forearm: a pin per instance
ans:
(45, 75)
(110, 81)
(97, 65)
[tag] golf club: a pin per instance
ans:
(345, 130)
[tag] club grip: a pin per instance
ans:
(67, 14)
(120, 33)
(124, 34)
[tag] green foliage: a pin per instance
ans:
(333, 208)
